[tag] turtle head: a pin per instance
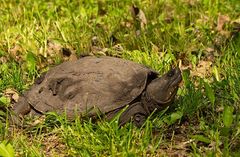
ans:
(162, 90)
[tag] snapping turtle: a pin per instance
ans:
(103, 85)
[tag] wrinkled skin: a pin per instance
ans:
(159, 94)
(100, 86)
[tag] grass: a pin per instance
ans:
(203, 121)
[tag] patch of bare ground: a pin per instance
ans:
(49, 144)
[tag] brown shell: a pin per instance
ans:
(88, 85)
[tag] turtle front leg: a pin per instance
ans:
(135, 113)
(20, 109)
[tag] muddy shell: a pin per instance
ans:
(93, 85)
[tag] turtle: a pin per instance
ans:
(105, 86)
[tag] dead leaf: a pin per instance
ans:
(73, 57)
(118, 47)
(53, 48)
(219, 109)
(95, 50)
(222, 20)
(209, 49)
(38, 121)
(184, 63)
(126, 24)
(139, 16)
(143, 19)
(3, 59)
(15, 53)
(203, 69)
(14, 50)
(68, 54)
(155, 49)
(48, 56)
(178, 146)
(11, 94)
(138, 32)
(51, 143)
(210, 54)
(221, 39)
(115, 51)
(134, 11)
(95, 41)
(53, 146)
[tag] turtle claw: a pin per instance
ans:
(139, 119)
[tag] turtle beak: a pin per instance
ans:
(175, 77)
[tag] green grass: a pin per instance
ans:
(203, 121)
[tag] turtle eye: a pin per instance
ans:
(171, 73)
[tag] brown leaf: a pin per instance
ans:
(118, 47)
(38, 121)
(138, 15)
(11, 94)
(48, 56)
(126, 24)
(134, 11)
(179, 147)
(15, 52)
(203, 69)
(53, 48)
(222, 20)
(73, 57)
(115, 51)
(209, 49)
(221, 39)
(68, 54)
(3, 59)
(95, 41)
(95, 50)
(53, 146)
(155, 49)
(210, 54)
(143, 19)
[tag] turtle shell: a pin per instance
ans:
(89, 85)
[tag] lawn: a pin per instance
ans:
(200, 36)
